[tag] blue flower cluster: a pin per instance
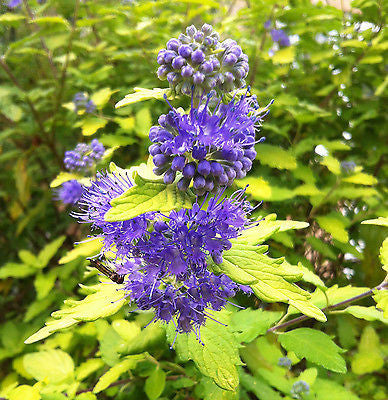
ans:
(165, 257)
(299, 388)
(84, 156)
(69, 192)
(207, 147)
(81, 101)
(278, 35)
(285, 362)
(198, 59)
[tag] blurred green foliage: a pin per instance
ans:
(324, 162)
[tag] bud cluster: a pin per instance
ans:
(208, 149)
(84, 156)
(198, 59)
(81, 101)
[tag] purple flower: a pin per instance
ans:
(267, 24)
(348, 166)
(278, 35)
(299, 388)
(285, 362)
(199, 60)
(211, 146)
(165, 257)
(81, 102)
(84, 156)
(94, 204)
(69, 192)
(14, 3)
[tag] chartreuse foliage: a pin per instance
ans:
(322, 162)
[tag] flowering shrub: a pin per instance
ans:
(189, 285)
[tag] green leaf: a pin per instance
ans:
(310, 277)
(44, 283)
(315, 346)
(261, 189)
(266, 228)
(332, 295)
(15, 270)
(92, 124)
(143, 122)
(88, 367)
(381, 299)
(258, 387)
(367, 313)
(24, 392)
(28, 258)
(330, 390)
(53, 366)
(383, 221)
(101, 97)
(384, 254)
(142, 94)
(49, 251)
(114, 373)
(63, 177)
(218, 357)
(248, 324)
(368, 358)
(154, 385)
(83, 249)
(275, 157)
(145, 197)
(104, 299)
(284, 56)
(126, 329)
(361, 179)
(270, 279)
(335, 225)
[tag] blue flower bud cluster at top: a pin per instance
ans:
(81, 101)
(165, 257)
(207, 147)
(199, 59)
(84, 156)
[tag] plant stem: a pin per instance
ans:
(328, 308)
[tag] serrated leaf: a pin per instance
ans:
(332, 295)
(218, 357)
(83, 249)
(142, 94)
(310, 277)
(114, 373)
(105, 299)
(275, 157)
(49, 251)
(381, 299)
(92, 124)
(54, 366)
(367, 313)
(146, 197)
(315, 346)
(270, 279)
(155, 383)
(258, 387)
(266, 228)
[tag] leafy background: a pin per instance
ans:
(330, 89)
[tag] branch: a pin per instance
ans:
(328, 308)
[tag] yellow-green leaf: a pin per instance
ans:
(83, 249)
(275, 157)
(142, 94)
(63, 177)
(92, 124)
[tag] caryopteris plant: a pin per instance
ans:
(179, 241)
